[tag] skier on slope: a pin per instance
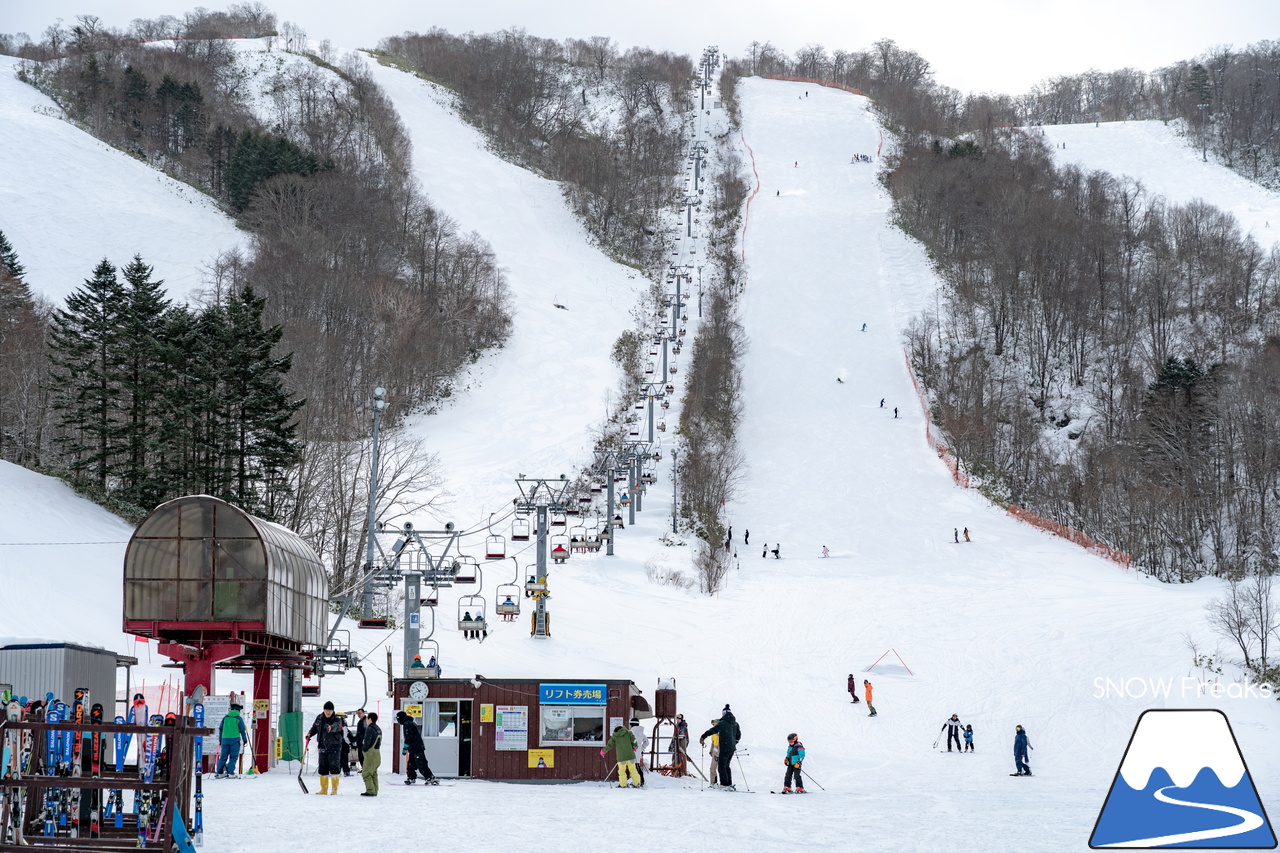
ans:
(642, 745)
(231, 736)
(853, 689)
(968, 738)
(730, 733)
(795, 755)
(870, 707)
(623, 743)
(327, 729)
(1021, 747)
(417, 752)
(953, 726)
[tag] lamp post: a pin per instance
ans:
(366, 603)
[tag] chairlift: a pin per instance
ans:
(430, 649)
(649, 479)
(584, 499)
(662, 426)
(648, 371)
(495, 548)
(557, 519)
(625, 500)
(666, 404)
(672, 369)
(520, 530)
(465, 569)
(617, 522)
(508, 601)
(671, 389)
(572, 510)
(375, 624)
(535, 586)
(597, 488)
(578, 538)
(431, 600)
(473, 606)
(559, 548)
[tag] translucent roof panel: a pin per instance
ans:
(199, 559)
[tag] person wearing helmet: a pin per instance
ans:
(642, 744)
(795, 755)
(853, 689)
(1021, 747)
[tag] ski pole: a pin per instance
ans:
(935, 741)
(743, 772)
(811, 779)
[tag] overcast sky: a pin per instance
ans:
(990, 45)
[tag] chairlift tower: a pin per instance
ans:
(540, 496)
(378, 404)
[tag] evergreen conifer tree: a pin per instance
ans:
(9, 258)
(142, 382)
(264, 444)
(86, 341)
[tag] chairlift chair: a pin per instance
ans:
(649, 479)
(534, 585)
(465, 569)
(472, 605)
(583, 500)
(520, 530)
(572, 510)
(597, 488)
(666, 404)
(430, 649)
(560, 548)
(617, 522)
(507, 592)
(671, 389)
(495, 547)
(578, 538)
(557, 519)
(625, 500)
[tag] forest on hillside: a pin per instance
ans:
(1100, 356)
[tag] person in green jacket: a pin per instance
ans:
(623, 743)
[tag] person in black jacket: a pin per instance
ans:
(327, 730)
(730, 734)
(360, 726)
(372, 755)
(417, 761)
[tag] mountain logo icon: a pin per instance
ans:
(1183, 783)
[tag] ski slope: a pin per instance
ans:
(1168, 164)
(528, 407)
(1011, 628)
(68, 200)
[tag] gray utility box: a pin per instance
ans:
(35, 669)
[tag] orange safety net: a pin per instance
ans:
(949, 459)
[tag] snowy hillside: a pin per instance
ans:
(1012, 628)
(1168, 165)
(68, 200)
(529, 406)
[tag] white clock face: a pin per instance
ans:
(418, 690)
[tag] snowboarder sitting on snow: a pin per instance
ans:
(1021, 747)
(968, 738)
(795, 755)
(853, 689)
(953, 727)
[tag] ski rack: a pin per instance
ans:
(173, 782)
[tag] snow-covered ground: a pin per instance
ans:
(1012, 628)
(68, 200)
(1168, 164)
(528, 407)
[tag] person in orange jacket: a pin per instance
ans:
(870, 707)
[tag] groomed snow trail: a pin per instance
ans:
(68, 200)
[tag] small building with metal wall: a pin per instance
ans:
(34, 669)
(515, 729)
(220, 588)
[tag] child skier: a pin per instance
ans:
(795, 755)
(853, 689)
(968, 738)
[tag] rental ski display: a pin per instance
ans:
(197, 826)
